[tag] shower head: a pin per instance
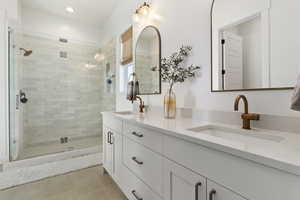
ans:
(26, 52)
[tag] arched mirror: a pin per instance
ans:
(254, 44)
(148, 61)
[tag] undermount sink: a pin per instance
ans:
(237, 134)
(124, 113)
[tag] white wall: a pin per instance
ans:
(119, 22)
(188, 22)
(35, 21)
(11, 7)
(284, 17)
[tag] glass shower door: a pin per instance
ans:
(67, 89)
(14, 110)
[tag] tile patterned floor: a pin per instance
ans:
(87, 184)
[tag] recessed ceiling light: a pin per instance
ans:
(70, 9)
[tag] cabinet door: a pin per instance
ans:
(108, 150)
(218, 192)
(104, 146)
(181, 183)
(117, 157)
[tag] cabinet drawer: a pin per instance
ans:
(143, 162)
(150, 139)
(135, 189)
(112, 123)
(218, 192)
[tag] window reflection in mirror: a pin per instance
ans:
(147, 61)
(247, 52)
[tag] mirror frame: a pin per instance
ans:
(159, 40)
(211, 60)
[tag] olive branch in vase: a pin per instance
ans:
(173, 69)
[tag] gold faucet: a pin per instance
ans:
(142, 104)
(247, 117)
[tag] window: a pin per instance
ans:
(127, 47)
(125, 73)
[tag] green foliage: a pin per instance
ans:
(173, 69)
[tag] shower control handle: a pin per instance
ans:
(23, 97)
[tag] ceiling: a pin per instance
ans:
(87, 11)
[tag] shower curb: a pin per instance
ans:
(15, 177)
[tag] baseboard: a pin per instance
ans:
(25, 175)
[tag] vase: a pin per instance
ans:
(170, 105)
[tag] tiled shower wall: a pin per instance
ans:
(66, 95)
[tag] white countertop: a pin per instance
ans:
(283, 155)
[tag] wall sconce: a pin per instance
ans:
(143, 10)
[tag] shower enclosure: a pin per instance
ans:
(58, 89)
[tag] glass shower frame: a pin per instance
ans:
(13, 103)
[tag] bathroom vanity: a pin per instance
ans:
(152, 158)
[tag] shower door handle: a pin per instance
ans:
(17, 102)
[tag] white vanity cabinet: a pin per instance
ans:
(112, 152)
(181, 183)
(133, 178)
(155, 165)
(112, 147)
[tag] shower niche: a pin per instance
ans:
(109, 79)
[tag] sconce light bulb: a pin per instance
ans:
(136, 17)
(145, 10)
